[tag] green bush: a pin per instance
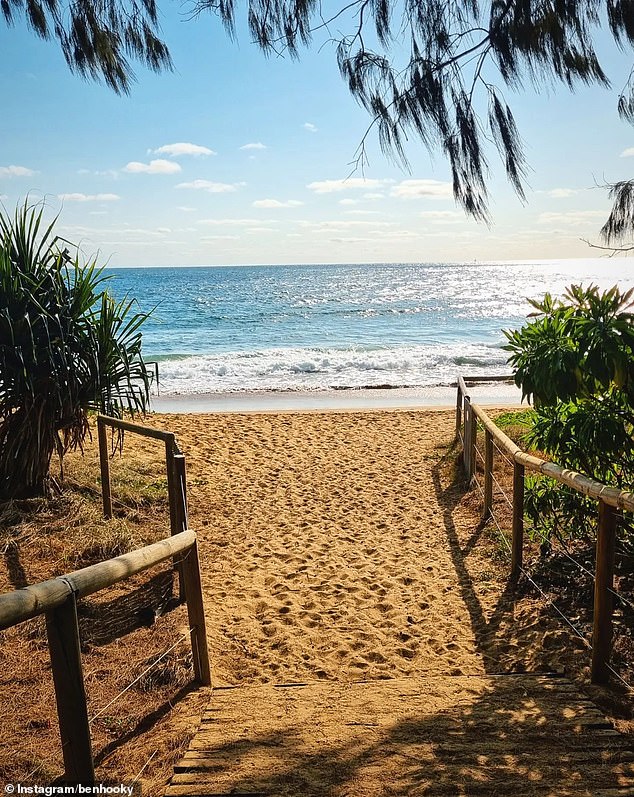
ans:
(66, 347)
(575, 360)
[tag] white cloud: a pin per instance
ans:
(563, 193)
(88, 197)
(310, 127)
(442, 216)
(348, 201)
(395, 233)
(255, 145)
(153, 167)
(16, 171)
(183, 148)
(415, 189)
(348, 240)
(186, 209)
(373, 196)
(363, 213)
(260, 230)
(572, 218)
(347, 184)
(220, 238)
(235, 222)
(325, 226)
(275, 203)
(110, 173)
(627, 153)
(210, 187)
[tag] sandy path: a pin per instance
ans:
(323, 546)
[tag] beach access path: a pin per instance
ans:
(338, 548)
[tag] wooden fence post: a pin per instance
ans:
(603, 583)
(488, 474)
(458, 412)
(104, 463)
(180, 476)
(466, 437)
(180, 489)
(473, 442)
(63, 643)
(196, 614)
(518, 520)
(172, 493)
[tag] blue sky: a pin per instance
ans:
(235, 158)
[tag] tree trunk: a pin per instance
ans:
(27, 442)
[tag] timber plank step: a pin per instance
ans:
(520, 736)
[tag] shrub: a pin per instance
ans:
(66, 347)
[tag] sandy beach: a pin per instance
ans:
(332, 547)
(493, 393)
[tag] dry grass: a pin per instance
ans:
(124, 629)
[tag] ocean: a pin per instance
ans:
(335, 327)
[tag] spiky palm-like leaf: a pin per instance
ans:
(66, 347)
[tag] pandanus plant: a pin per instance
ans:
(66, 348)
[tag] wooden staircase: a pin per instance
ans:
(507, 735)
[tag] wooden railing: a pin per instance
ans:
(57, 600)
(610, 500)
(175, 469)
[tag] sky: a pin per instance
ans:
(236, 158)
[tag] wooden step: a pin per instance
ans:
(520, 736)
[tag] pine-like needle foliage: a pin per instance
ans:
(66, 347)
(99, 38)
(436, 70)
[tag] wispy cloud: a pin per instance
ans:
(16, 171)
(209, 186)
(310, 127)
(416, 189)
(186, 209)
(153, 167)
(627, 153)
(220, 238)
(348, 202)
(564, 193)
(275, 203)
(111, 173)
(254, 145)
(347, 184)
(573, 218)
(234, 222)
(182, 148)
(442, 216)
(324, 226)
(88, 197)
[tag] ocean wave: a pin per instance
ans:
(328, 368)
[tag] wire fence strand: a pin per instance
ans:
(138, 678)
(502, 491)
